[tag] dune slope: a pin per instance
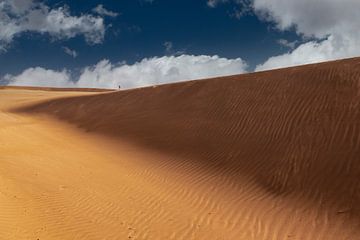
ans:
(269, 155)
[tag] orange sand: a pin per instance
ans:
(270, 155)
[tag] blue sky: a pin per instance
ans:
(108, 39)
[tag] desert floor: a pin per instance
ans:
(261, 159)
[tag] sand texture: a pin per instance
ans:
(272, 155)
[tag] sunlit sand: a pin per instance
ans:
(270, 155)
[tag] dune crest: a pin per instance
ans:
(268, 155)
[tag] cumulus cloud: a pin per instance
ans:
(311, 18)
(70, 52)
(159, 70)
(20, 16)
(149, 71)
(329, 28)
(40, 77)
(99, 9)
(310, 52)
(333, 24)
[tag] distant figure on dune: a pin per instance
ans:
(119, 87)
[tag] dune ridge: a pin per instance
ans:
(268, 155)
(60, 89)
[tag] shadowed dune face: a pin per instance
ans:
(295, 131)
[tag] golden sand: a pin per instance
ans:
(270, 155)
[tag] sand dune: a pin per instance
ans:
(269, 155)
(58, 89)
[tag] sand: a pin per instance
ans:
(270, 155)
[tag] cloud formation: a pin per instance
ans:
(149, 71)
(40, 77)
(329, 28)
(70, 52)
(20, 16)
(99, 9)
(332, 24)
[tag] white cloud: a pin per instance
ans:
(99, 9)
(70, 52)
(334, 24)
(159, 70)
(20, 16)
(310, 52)
(149, 71)
(312, 18)
(40, 77)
